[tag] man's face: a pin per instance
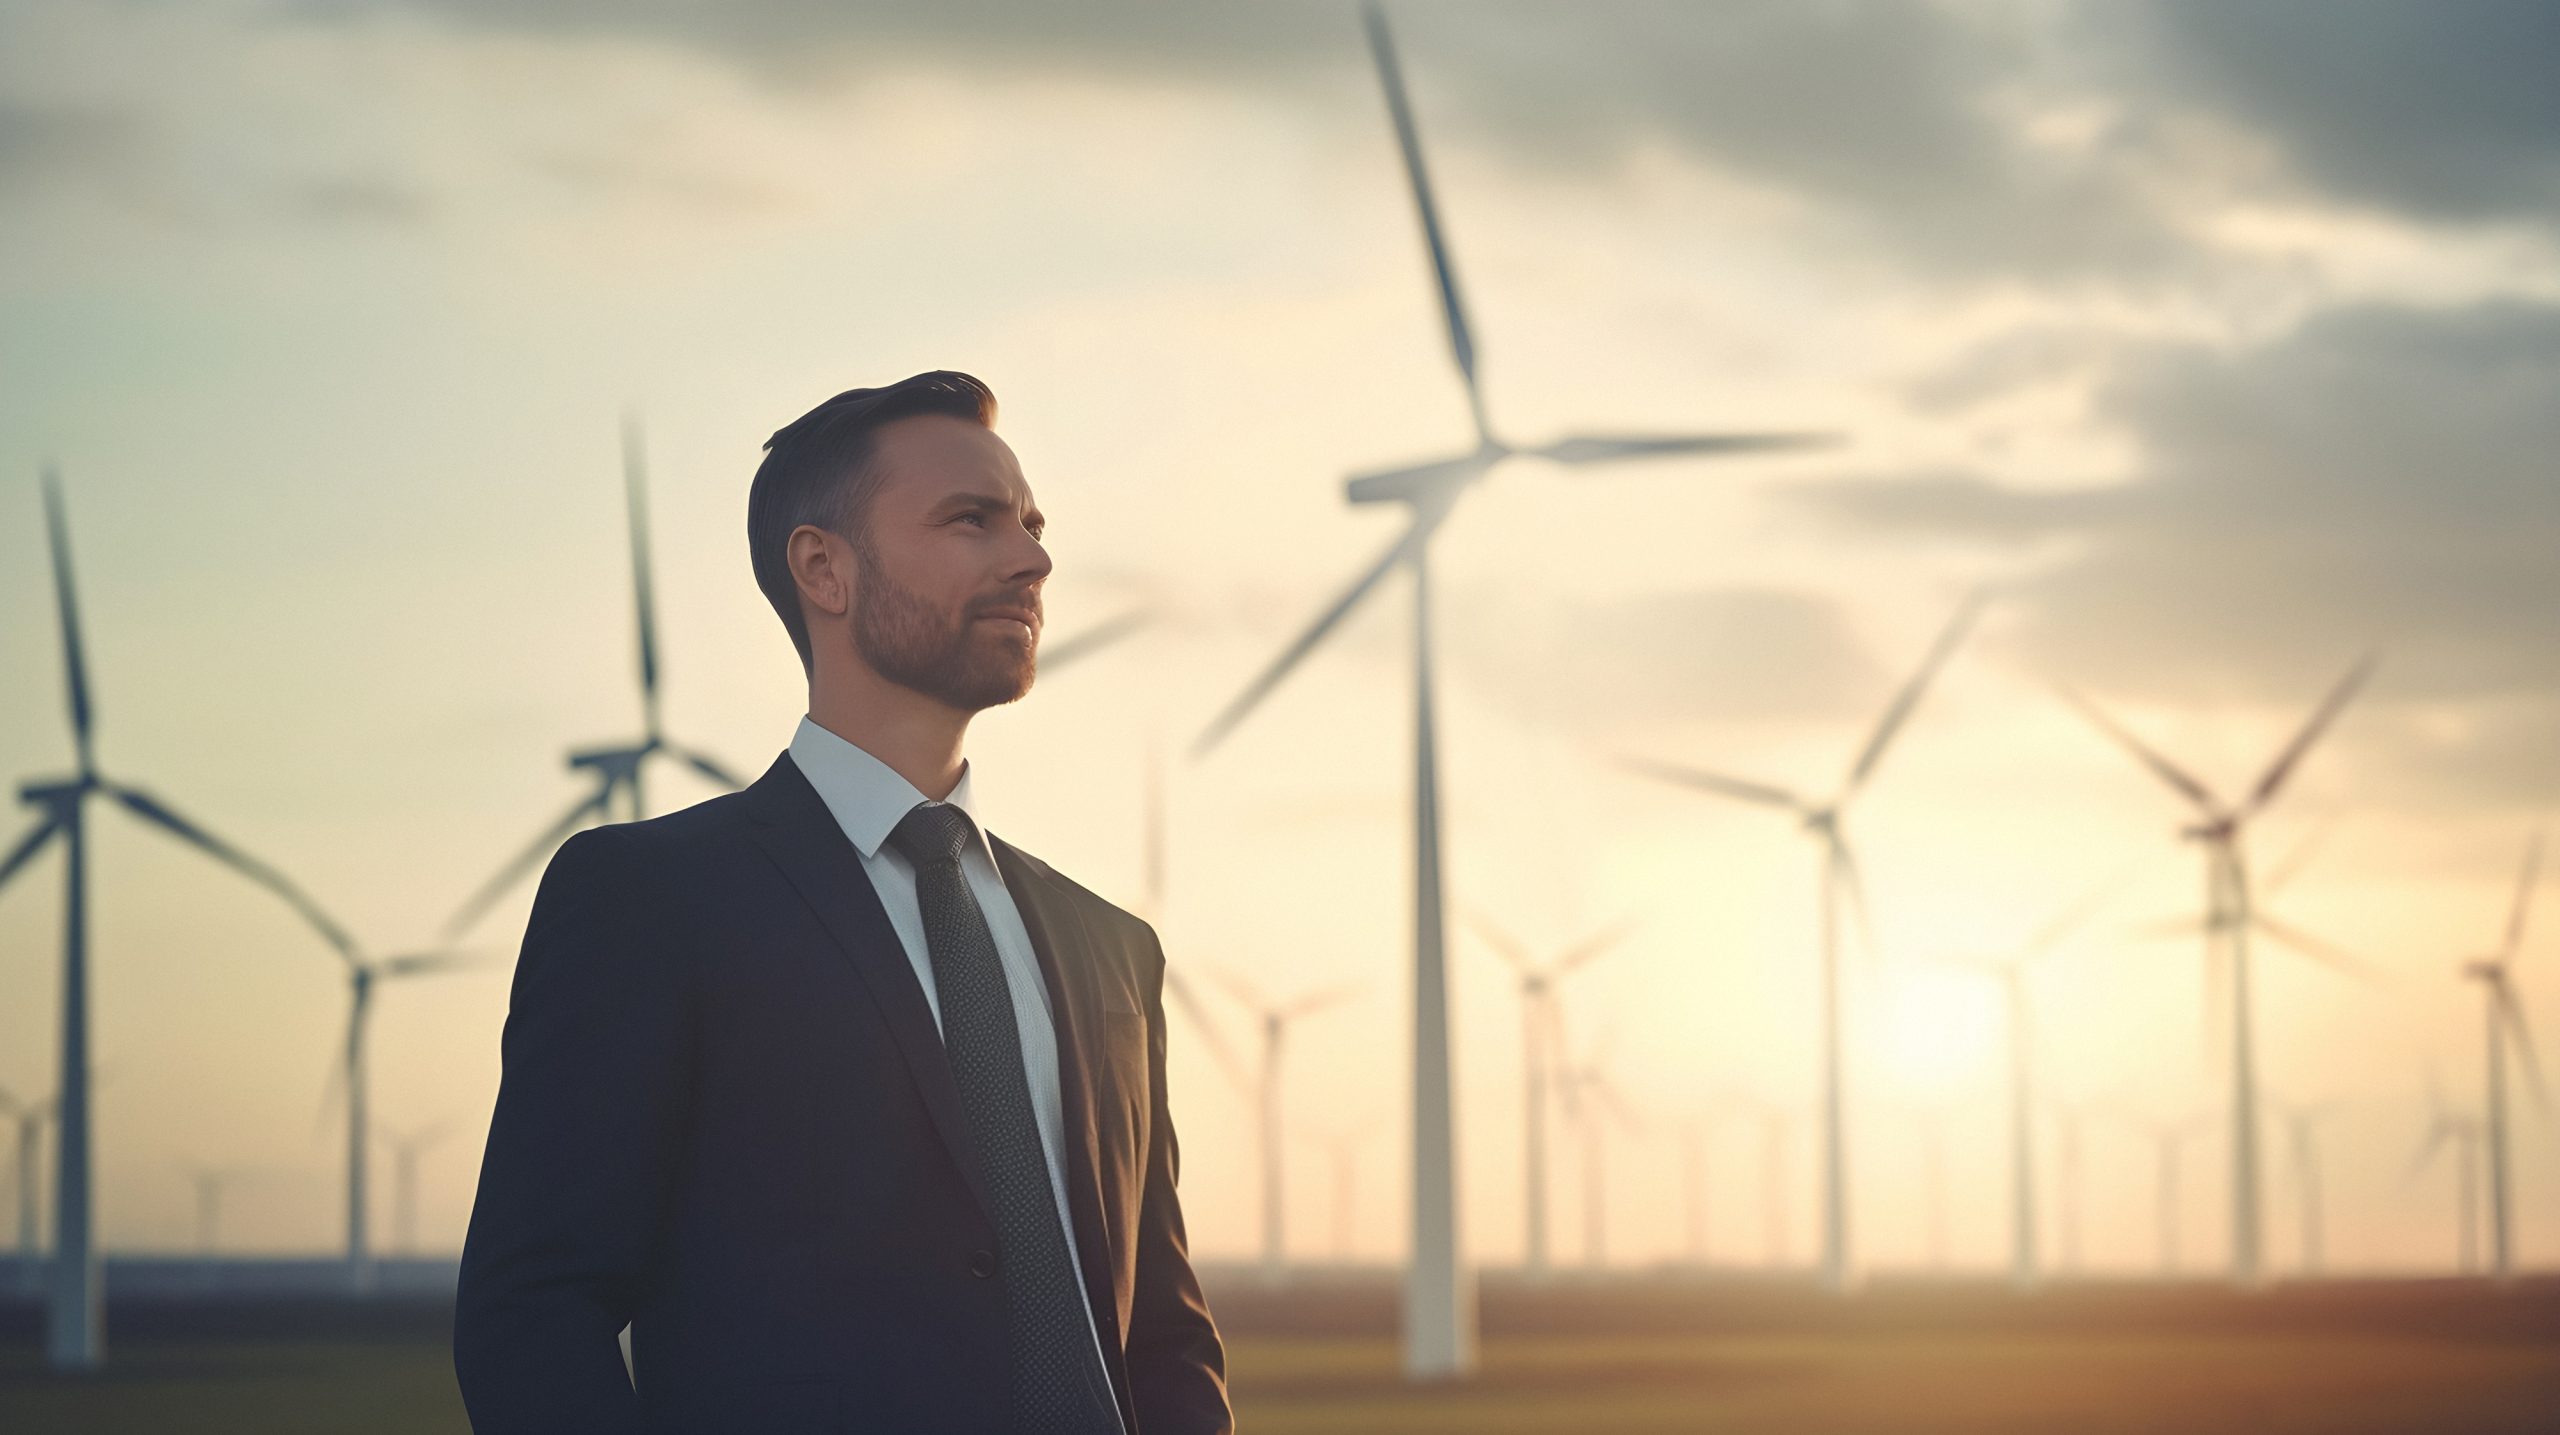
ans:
(948, 572)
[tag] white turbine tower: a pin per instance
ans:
(30, 1118)
(1275, 1018)
(1439, 1306)
(2460, 1133)
(2220, 827)
(1542, 1046)
(75, 1313)
(2495, 974)
(2010, 969)
(2168, 1138)
(2302, 1143)
(407, 1148)
(1592, 1103)
(1839, 876)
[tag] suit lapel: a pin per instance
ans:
(801, 836)
(1067, 958)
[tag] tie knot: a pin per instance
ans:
(932, 834)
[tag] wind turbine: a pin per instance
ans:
(2302, 1142)
(2009, 969)
(1342, 1153)
(2168, 1142)
(1439, 1307)
(30, 1117)
(1151, 908)
(2495, 974)
(615, 768)
(1821, 820)
(208, 1182)
(1591, 1102)
(2066, 1179)
(1275, 1018)
(2220, 828)
(351, 1080)
(1696, 1135)
(75, 1314)
(406, 1148)
(2448, 1128)
(1542, 1046)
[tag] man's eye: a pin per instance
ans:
(979, 519)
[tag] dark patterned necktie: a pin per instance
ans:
(1059, 1385)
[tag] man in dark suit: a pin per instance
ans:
(853, 1113)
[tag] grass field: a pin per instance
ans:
(1628, 1354)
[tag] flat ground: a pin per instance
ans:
(1628, 1354)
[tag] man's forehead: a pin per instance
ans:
(931, 454)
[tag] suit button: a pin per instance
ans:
(982, 1264)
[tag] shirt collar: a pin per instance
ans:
(867, 796)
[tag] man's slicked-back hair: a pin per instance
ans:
(817, 470)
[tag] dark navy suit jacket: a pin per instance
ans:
(726, 1119)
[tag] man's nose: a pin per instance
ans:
(1032, 564)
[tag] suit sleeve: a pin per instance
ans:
(1177, 1364)
(580, 1156)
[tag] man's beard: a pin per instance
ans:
(906, 641)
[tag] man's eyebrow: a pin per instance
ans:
(959, 503)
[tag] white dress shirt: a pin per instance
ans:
(868, 799)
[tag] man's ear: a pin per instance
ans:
(822, 568)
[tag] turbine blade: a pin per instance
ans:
(1330, 996)
(703, 763)
(2161, 767)
(2512, 1013)
(2515, 915)
(2319, 949)
(2070, 919)
(2321, 717)
(1716, 782)
(1404, 547)
(1594, 946)
(1503, 943)
(1453, 307)
(1909, 697)
(635, 479)
(418, 964)
(75, 661)
(1419, 483)
(1245, 992)
(1092, 640)
(1854, 885)
(1187, 997)
(1580, 449)
(28, 846)
(152, 810)
(2291, 864)
(2437, 1135)
(591, 806)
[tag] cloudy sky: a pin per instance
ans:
(2223, 340)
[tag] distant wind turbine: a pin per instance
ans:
(1151, 908)
(30, 1118)
(1439, 1307)
(615, 768)
(2447, 1128)
(1542, 1046)
(208, 1182)
(75, 1315)
(406, 1149)
(1592, 1104)
(2220, 827)
(351, 1082)
(2010, 969)
(2302, 1142)
(2495, 974)
(1275, 1018)
(1821, 820)
(2168, 1140)
(2067, 1119)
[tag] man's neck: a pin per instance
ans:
(920, 739)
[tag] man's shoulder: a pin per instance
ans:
(670, 843)
(1103, 913)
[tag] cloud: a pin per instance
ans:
(2381, 476)
(46, 146)
(2440, 111)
